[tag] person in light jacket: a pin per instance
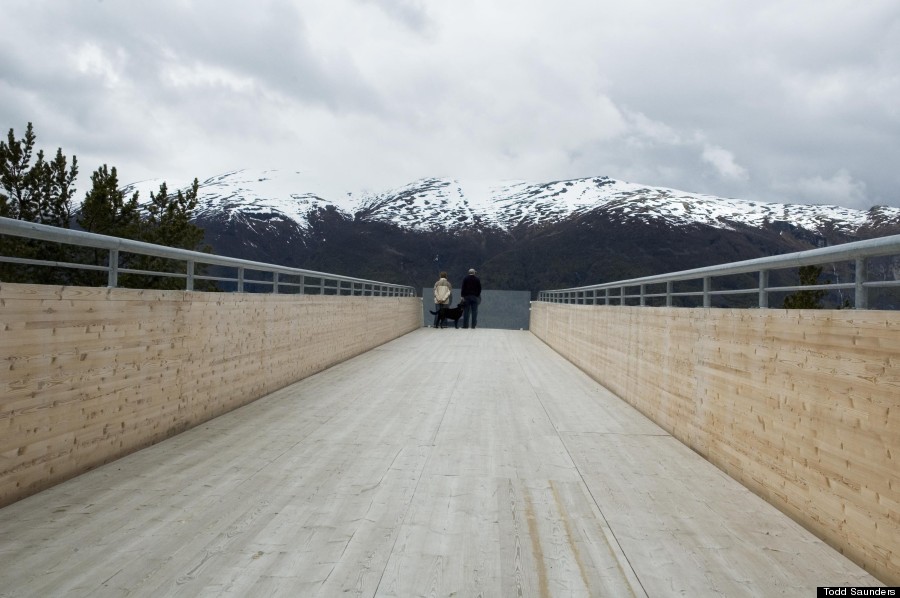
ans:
(443, 293)
(471, 294)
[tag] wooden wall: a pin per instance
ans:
(88, 375)
(802, 407)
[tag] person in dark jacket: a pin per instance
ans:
(471, 294)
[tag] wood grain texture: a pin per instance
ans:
(88, 375)
(802, 407)
(444, 463)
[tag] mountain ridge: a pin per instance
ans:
(431, 203)
(520, 235)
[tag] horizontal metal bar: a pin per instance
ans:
(261, 282)
(753, 291)
(881, 284)
(72, 265)
(811, 287)
(152, 273)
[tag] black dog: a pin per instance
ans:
(449, 313)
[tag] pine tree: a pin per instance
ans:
(15, 158)
(812, 299)
(39, 193)
(105, 209)
(168, 223)
(57, 183)
(169, 218)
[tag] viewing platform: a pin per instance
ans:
(443, 463)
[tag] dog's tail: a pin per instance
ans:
(434, 313)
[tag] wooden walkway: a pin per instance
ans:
(446, 463)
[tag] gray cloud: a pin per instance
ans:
(761, 100)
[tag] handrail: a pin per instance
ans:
(339, 285)
(858, 252)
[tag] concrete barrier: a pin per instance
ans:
(800, 406)
(88, 375)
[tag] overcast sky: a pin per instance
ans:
(774, 100)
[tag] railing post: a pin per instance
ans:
(707, 301)
(670, 287)
(763, 289)
(862, 276)
(643, 299)
(189, 283)
(302, 285)
(240, 286)
(606, 297)
(275, 283)
(113, 278)
(622, 296)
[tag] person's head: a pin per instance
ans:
(443, 275)
(472, 271)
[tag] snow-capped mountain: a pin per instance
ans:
(447, 204)
(444, 203)
(263, 195)
(525, 235)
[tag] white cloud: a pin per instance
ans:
(379, 92)
(90, 60)
(724, 163)
(839, 189)
(187, 76)
(646, 130)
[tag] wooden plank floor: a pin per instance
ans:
(446, 463)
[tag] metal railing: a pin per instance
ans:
(279, 279)
(858, 253)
